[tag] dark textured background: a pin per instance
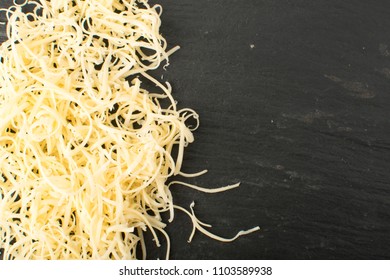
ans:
(300, 119)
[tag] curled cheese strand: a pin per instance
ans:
(200, 226)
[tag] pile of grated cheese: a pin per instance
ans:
(85, 150)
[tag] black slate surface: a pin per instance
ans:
(293, 98)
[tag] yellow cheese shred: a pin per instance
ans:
(85, 149)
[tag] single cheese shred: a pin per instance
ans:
(85, 150)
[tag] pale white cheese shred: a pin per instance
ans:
(85, 150)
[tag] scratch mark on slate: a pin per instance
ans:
(355, 89)
(383, 49)
(309, 118)
(335, 125)
(385, 72)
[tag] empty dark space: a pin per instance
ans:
(293, 98)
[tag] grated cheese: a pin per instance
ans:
(85, 154)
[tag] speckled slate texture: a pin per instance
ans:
(294, 101)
